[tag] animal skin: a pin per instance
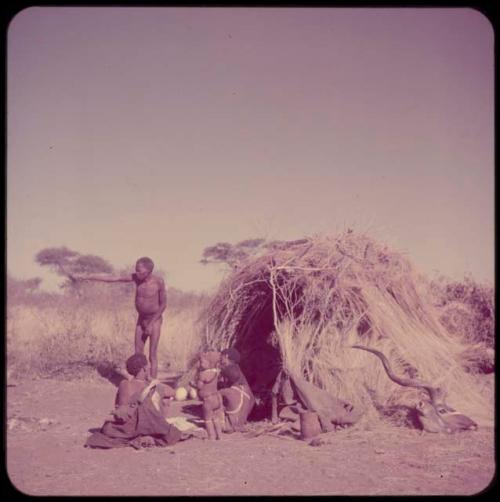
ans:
(434, 414)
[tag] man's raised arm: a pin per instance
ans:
(102, 277)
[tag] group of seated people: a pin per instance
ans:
(226, 397)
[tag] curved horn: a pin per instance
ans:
(436, 394)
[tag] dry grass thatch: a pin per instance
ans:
(302, 304)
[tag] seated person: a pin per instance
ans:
(129, 390)
(238, 397)
(140, 410)
(206, 383)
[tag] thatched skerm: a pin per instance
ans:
(302, 304)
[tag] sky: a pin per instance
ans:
(160, 131)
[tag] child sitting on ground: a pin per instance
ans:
(206, 383)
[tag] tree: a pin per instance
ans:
(231, 254)
(33, 284)
(64, 262)
(22, 291)
(55, 258)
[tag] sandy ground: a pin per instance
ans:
(49, 421)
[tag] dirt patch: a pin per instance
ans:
(48, 422)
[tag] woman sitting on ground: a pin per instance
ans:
(236, 393)
(141, 406)
(128, 390)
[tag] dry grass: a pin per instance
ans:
(47, 340)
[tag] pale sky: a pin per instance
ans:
(160, 131)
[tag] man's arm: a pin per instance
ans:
(123, 393)
(102, 277)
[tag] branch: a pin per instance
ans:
(66, 273)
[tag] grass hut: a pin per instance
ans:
(302, 304)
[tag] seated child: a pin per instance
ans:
(206, 383)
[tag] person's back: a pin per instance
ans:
(127, 389)
(137, 367)
(131, 390)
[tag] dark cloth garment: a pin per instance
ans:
(232, 375)
(135, 420)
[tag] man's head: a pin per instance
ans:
(143, 267)
(136, 363)
(229, 356)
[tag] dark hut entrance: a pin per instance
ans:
(260, 355)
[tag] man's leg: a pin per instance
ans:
(140, 339)
(153, 347)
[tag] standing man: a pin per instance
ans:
(150, 302)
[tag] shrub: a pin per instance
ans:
(467, 309)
